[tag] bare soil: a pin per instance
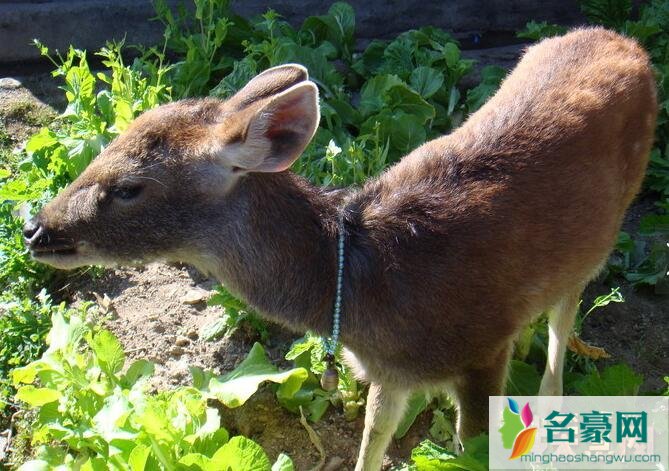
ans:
(149, 314)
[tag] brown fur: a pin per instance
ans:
(449, 253)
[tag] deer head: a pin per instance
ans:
(148, 194)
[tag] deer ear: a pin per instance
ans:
(268, 83)
(279, 130)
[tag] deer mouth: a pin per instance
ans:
(55, 249)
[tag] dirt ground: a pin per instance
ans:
(153, 318)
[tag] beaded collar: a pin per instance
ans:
(330, 378)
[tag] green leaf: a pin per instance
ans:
(65, 336)
(491, 78)
(240, 454)
(609, 13)
(406, 132)
(625, 244)
(215, 329)
(451, 54)
(371, 59)
(209, 443)
(535, 31)
(442, 427)
(417, 404)
(139, 369)
(372, 94)
(108, 422)
(523, 379)
(37, 397)
(123, 113)
(429, 456)
(401, 97)
(139, 457)
(617, 380)
(654, 224)
(198, 460)
(283, 463)
(234, 388)
(44, 139)
(108, 351)
(344, 14)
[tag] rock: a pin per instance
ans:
(156, 359)
(9, 83)
(195, 296)
(182, 341)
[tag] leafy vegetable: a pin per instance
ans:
(90, 414)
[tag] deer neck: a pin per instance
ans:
(277, 250)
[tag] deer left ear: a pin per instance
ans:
(278, 131)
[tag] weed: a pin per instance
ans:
(90, 415)
(236, 313)
(24, 324)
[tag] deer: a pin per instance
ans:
(448, 253)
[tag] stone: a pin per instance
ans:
(9, 83)
(195, 296)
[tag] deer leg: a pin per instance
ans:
(560, 323)
(385, 408)
(471, 394)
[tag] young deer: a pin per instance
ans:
(448, 254)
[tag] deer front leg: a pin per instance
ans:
(385, 408)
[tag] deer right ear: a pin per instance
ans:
(268, 83)
(271, 135)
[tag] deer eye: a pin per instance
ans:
(126, 192)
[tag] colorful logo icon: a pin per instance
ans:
(517, 435)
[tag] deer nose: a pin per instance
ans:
(32, 230)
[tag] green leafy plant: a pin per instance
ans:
(309, 353)
(428, 456)
(197, 37)
(616, 380)
(610, 13)
(94, 412)
(236, 313)
(645, 260)
(491, 78)
(535, 31)
(24, 324)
